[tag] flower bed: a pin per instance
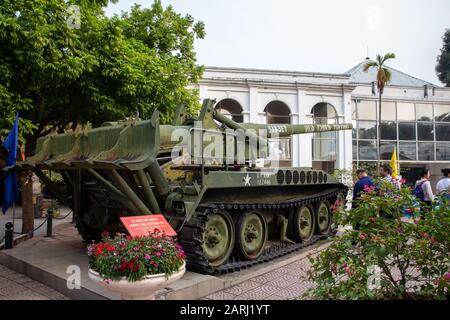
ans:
(121, 256)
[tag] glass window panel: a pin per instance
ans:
(278, 119)
(442, 151)
(386, 149)
(367, 150)
(426, 151)
(388, 131)
(442, 112)
(354, 129)
(324, 110)
(388, 111)
(367, 110)
(367, 129)
(324, 150)
(406, 111)
(355, 149)
(406, 131)
(424, 112)
(281, 147)
(425, 131)
(325, 135)
(443, 131)
(407, 151)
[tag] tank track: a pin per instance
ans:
(190, 237)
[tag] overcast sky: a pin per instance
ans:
(315, 35)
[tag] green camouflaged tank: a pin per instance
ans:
(229, 213)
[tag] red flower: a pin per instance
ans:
(424, 235)
(362, 236)
(447, 277)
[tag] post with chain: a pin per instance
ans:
(49, 222)
(9, 235)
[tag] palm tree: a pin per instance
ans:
(384, 76)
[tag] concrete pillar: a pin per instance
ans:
(304, 144)
(346, 136)
(253, 103)
(203, 92)
(295, 152)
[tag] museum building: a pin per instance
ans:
(415, 115)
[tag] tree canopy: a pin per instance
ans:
(383, 73)
(57, 73)
(443, 61)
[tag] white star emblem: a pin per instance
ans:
(247, 180)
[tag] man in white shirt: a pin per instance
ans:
(444, 183)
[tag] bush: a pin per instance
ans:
(135, 258)
(388, 256)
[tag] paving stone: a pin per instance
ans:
(19, 278)
(242, 297)
(258, 294)
(267, 277)
(221, 295)
(16, 286)
(284, 281)
(15, 291)
(243, 287)
(54, 296)
(294, 291)
(6, 283)
(274, 297)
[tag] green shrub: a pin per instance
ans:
(388, 256)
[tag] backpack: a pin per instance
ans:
(418, 191)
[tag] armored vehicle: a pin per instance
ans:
(229, 213)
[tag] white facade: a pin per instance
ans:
(300, 92)
(254, 89)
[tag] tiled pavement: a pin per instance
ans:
(288, 282)
(15, 286)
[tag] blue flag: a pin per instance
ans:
(11, 144)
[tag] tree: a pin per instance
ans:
(383, 78)
(443, 60)
(108, 68)
(61, 65)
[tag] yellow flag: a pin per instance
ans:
(394, 164)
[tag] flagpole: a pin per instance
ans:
(14, 215)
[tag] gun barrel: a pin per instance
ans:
(282, 130)
(286, 130)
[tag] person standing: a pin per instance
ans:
(364, 182)
(423, 188)
(444, 183)
(385, 173)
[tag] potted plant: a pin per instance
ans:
(136, 267)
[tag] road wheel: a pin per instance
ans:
(302, 224)
(323, 217)
(218, 238)
(251, 235)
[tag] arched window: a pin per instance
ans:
(324, 143)
(230, 108)
(278, 112)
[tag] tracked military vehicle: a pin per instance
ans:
(228, 214)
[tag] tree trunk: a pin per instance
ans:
(379, 130)
(26, 182)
